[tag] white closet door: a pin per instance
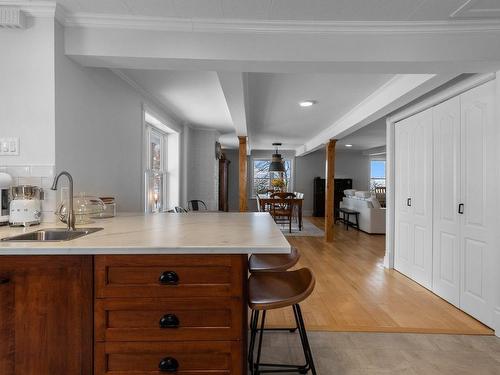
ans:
(421, 188)
(413, 195)
(446, 223)
(403, 255)
(478, 196)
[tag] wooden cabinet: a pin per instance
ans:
(121, 314)
(170, 313)
(45, 315)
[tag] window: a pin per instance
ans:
(262, 178)
(156, 174)
(377, 174)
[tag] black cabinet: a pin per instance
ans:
(341, 184)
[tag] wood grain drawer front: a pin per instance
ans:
(187, 358)
(163, 319)
(168, 276)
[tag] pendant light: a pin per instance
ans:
(276, 161)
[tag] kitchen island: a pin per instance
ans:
(148, 294)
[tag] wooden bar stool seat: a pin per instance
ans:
(273, 262)
(274, 290)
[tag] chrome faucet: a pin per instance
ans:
(71, 213)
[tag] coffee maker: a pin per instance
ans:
(26, 205)
(5, 184)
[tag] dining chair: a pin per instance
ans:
(196, 205)
(282, 211)
(178, 210)
(283, 195)
(380, 193)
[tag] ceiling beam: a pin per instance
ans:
(471, 48)
(396, 93)
(233, 87)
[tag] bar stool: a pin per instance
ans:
(273, 263)
(275, 290)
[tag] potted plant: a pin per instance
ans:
(278, 184)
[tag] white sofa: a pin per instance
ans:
(371, 215)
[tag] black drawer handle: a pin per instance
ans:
(169, 321)
(461, 208)
(408, 202)
(169, 278)
(4, 280)
(168, 364)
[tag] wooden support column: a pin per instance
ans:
(243, 174)
(330, 190)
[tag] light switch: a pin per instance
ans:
(9, 146)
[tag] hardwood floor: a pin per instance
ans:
(355, 293)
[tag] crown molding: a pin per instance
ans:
(271, 26)
(98, 20)
(39, 9)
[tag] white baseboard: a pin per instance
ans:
(496, 321)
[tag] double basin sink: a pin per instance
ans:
(51, 235)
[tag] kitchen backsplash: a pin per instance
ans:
(39, 175)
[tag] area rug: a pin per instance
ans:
(308, 229)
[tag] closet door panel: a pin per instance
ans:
(421, 189)
(403, 258)
(446, 196)
(478, 196)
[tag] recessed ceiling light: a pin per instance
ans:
(307, 103)
(348, 145)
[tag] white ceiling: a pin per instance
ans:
(194, 97)
(338, 10)
(274, 115)
(370, 136)
(274, 112)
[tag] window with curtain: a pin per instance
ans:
(262, 178)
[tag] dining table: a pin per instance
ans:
(266, 199)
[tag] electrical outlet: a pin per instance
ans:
(9, 146)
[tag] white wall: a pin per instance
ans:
(27, 91)
(497, 266)
(203, 167)
(27, 105)
(355, 165)
(99, 130)
(308, 167)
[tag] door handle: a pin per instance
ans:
(461, 208)
(4, 280)
(408, 202)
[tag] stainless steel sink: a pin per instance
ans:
(52, 235)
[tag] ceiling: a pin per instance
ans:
(275, 114)
(368, 137)
(272, 108)
(338, 10)
(194, 97)
(199, 66)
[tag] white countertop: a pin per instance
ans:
(192, 233)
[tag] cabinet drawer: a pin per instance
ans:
(169, 275)
(187, 358)
(163, 319)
